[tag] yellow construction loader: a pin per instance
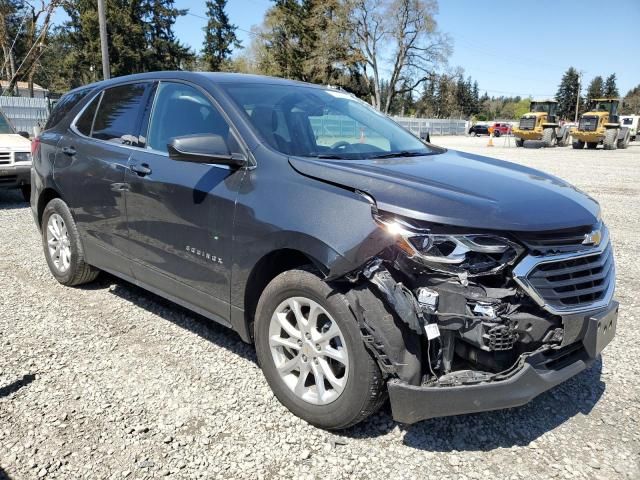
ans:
(601, 124)
(541, 124)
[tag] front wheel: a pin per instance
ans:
(548, 137)
(496, 133)
(610, 141)
(578, 144)
(592, 145)
(62, 247)
(519, 142)
(311, 352)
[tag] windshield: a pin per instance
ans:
(540, 107)
(603, 106)
(5, 126)
(314, 122)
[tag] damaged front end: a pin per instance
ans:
(495, 319)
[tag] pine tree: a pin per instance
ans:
(164, 51)
(220, 36)
(595, 89)
(567, 94)
(610, 87)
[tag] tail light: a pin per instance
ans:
(35, 145)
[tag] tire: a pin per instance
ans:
(611, 139)
(363, 388)
(563, 141)
(548, 137)
(496, 133)
(592, 145)
(26, 192)
(623, 143)
(578, 144)
(71, 269)
(519, 142)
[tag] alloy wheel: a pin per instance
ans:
(309, 350)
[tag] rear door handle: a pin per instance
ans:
(142, 170)
(69, 151)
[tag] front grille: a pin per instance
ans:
(544, 243)
(5, 158)
(527, 123)
(588, 124)
(576, 282)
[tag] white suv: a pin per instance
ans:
(15, 158)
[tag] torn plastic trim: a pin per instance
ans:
(397, 295)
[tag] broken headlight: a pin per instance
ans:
(470, 254)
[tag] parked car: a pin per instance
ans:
(479, 129)
(501, 129)
(15, 158)
(358, 261)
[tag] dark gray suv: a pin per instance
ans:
(361, 261)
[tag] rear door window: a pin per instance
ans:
(119, 113)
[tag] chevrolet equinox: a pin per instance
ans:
(362, 262)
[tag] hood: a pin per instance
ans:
(461, 189)
(14, 142)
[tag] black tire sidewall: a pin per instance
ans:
(59, 207)
(356, 394)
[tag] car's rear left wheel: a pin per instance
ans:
(312, 354)
(62, 246)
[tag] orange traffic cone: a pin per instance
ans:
(490, 144)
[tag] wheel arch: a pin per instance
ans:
(268, 267)
(44, 198)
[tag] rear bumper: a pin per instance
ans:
(15, 176)
(536, 374)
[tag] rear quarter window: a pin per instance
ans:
(64, 106)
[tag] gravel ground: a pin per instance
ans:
(108, 381)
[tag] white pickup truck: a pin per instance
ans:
(632, 122)
(15, 158)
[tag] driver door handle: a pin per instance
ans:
(142, 170)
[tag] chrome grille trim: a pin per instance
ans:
(602, 258)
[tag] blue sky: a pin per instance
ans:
(497, 42)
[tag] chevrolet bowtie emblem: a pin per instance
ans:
(594, 238)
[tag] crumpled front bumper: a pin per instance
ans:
(539, 372)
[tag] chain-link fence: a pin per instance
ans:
(25, 113)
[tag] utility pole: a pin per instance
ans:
(104, 47)
(578, 96)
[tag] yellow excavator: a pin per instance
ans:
(601, 124)
(541, 124)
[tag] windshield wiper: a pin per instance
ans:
(403, 153)
(327, 156)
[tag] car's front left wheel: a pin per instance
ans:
(62, 246)
(312, 354)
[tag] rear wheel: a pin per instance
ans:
(592, 145)
(496, 133)
(62, 247)
(519, 142)
(563, 139)
(611, 139)
(578, 144)
(311, 352)
(624, 142)
(548, 137)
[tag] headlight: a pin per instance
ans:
(471, 254)
(22, 157)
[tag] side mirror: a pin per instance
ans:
(24, 134)
(204, 148)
